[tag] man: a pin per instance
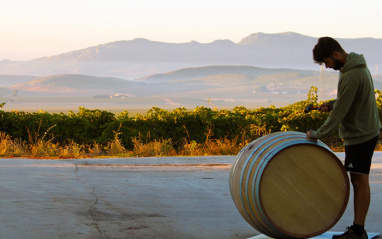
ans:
(355, 112)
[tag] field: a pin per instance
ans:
(140, 105)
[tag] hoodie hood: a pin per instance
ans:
(354, 60)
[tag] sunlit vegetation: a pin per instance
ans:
(159, 132)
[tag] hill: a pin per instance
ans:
(7, 80)
(200, 72)
(73, 85)
(141, 57)
(220, 86)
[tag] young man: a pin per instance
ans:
(355, 112)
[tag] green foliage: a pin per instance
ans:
(293, 117)
(179, 126)
(378, 94)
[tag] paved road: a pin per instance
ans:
(181, 197)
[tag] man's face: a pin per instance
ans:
(333, 63)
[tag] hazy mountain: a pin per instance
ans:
(225, 86)
(140, 57)
(77, 81)
(199, 72)
(7, 80)
(73, 85)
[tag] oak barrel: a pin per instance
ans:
(286, 186)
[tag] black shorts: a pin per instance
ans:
(358, 156)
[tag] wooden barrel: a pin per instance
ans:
(286, 186)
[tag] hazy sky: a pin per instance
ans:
(35, 28)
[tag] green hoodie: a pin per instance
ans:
(355, 109)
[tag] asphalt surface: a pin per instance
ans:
(172, 197)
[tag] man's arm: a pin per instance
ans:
(341, 107)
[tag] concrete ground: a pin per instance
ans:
(180, 197)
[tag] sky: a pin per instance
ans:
(39, 28)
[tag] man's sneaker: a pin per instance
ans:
(350, 234)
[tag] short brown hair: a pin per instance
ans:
(325, 48)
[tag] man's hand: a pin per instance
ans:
(325, 107)
(309, 136)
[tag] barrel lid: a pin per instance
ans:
(303, 190)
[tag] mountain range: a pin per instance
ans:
(141, 57)
(222, 86)
(260, 70)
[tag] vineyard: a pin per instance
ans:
(202, 131)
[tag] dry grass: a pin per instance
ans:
(211, 147)
(39, 148)
(159, 148)
(11, 148)
(379, 146)
(154, 148)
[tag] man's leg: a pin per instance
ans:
(358, 162)
(361, 188)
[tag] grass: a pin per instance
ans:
(40, 148)
(160, 148)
